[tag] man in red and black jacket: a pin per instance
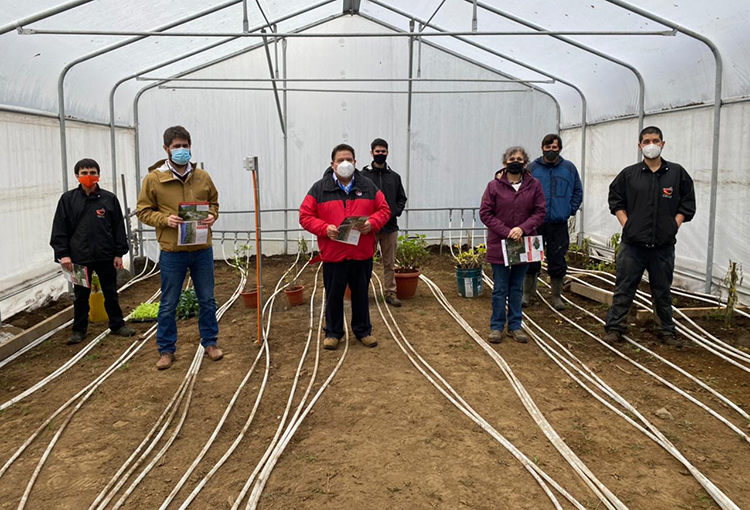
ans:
(344, 192)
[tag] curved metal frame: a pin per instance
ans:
(717, 125)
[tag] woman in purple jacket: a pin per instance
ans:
(513, 206)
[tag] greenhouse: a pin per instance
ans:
(537, 302)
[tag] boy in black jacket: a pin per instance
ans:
(88, 230)
(389, 182)
(651, 200)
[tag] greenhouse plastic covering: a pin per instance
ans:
(455, 141)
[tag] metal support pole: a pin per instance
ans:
(273, 83)
(338, 80)
(407, 173)
(347, 91)
(245, 21)
(286, 146)
(584, 47)
(127, 221)
(102, 51)
(419, 54)
(41, 15)
(474, 22)
(717, 125)
(522, 64)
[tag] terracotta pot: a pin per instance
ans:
(406, 284)
(250, 298)
(296, 296)
(348, 293)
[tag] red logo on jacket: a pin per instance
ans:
(100, 213)
(667, 192)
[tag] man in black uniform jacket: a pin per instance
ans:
(88, 230)
(651, 199)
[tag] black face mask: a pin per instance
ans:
(551, 155)
(514, 168)
(379, 158)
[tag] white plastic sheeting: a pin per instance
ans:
(455, 140)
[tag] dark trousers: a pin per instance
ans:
(336, 276)
(631, 262)
(556, 244)
(108, 280)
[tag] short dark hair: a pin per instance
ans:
(378, 142)
(176, 132)
(551, 138)
(87, 163)
(650, 130)
(342, 147)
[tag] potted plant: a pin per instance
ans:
(242, 266)
(469, 264)
(295, 292)
(411, 253)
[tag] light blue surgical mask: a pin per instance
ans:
(180, 156)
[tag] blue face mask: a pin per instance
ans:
(181, 156)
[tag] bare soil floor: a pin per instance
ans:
(380, 436)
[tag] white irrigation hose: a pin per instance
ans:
(47, 336)
(64, 368)
(93, 387)
(230, 406)
(609, 499)
(290, 431)
(444, 388)
(239, 438)
(653, 433)
(709, 342)
(188, 381)
(450, 232)
(662, 380)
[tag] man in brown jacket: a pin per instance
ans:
(170, 183)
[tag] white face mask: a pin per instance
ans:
(651, 151)
(345, 169)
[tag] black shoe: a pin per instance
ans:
(124, 331)
(613, 337)
(671, 340)
(76, 337)
(392, 300)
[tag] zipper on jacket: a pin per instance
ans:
(655, 205)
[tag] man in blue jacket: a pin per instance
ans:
(564, 194)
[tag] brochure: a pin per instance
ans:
(347, 232)
(78, 276)
(192, 232)
(527, 249)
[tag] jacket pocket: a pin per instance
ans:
(560, 187)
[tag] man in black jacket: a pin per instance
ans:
(389, 183)
(88, 230)
(651, 199)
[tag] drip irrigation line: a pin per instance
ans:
(291, 429)
(240, 387)
(450, 393)
(118, 481)
(90, 390)
(47, 336)
(239, 438)
(662, 380)
(609, 499)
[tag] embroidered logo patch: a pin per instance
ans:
(100, 213)
(667, 192)
(358, 193)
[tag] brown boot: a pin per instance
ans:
(368, 341)
(214, 353)
(165, 360)
(519, 336)
(495, 337)
(331, 343)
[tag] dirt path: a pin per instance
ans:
(381, 436)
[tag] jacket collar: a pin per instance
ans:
(663, 168)
(162, 169)
(373, 168)
(540, 161)
(95, 193)
(503, 180)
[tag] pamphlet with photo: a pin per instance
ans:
(78, 276)
(527, 249)
(192, 232)
(348, 233)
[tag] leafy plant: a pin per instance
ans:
(242, 261)
(304, 256)
(96, 285)
(472, 258)
(145, 311)
(411, 253)
(187, 306)
(731, 281)
(614, 243)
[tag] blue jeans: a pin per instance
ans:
(174, 266)
(508, 287)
